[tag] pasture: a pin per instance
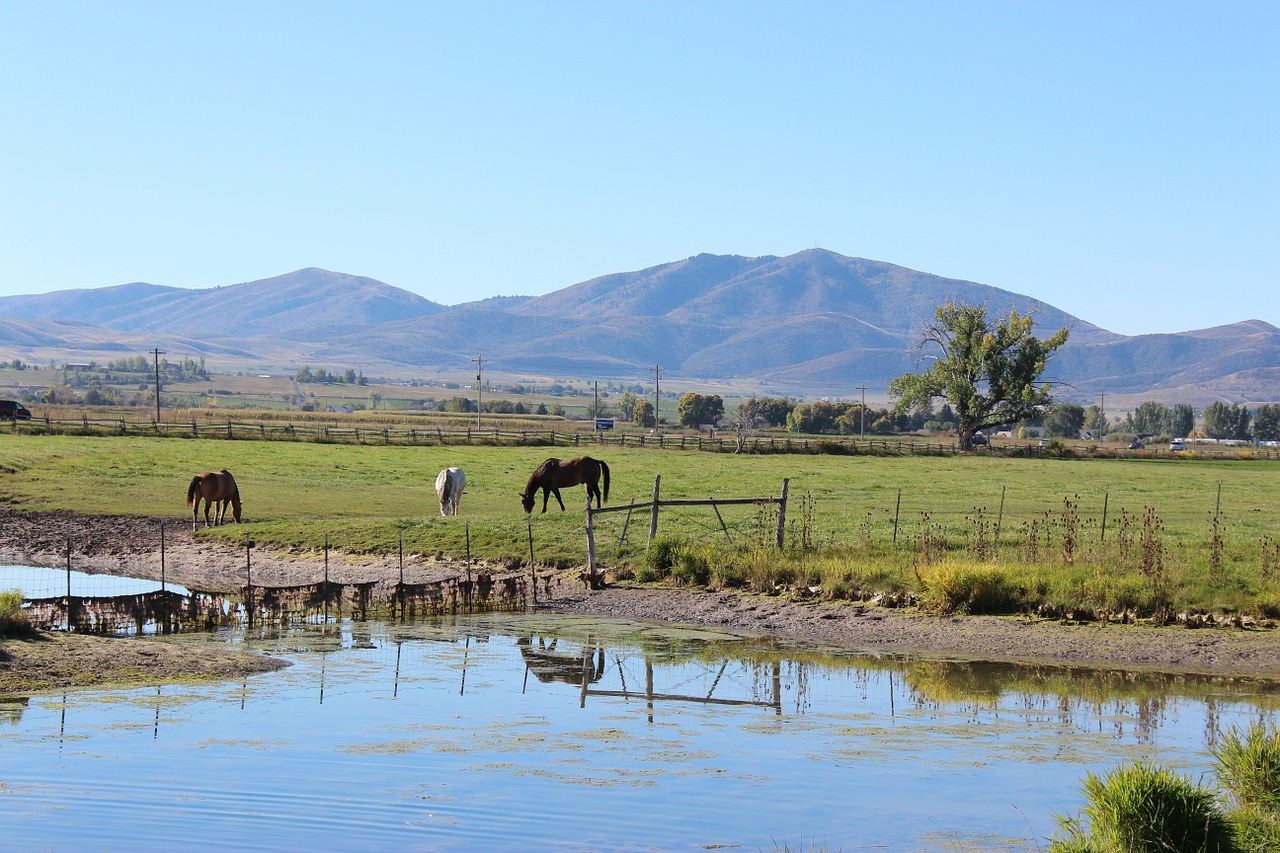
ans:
(1179, 534)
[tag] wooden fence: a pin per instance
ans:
(672, 440)
(654, 507)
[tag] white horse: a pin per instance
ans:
(449, 485)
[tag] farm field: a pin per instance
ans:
(1105, 534)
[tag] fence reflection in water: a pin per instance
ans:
(163, 611)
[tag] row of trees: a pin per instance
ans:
(1220, 421)
(94, 394)
(185, 370)
(1236, 422)
(307, 373)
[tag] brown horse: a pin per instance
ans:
(554, 473)
(214, 487)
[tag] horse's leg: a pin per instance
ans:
(556, 492)
(207, 502)
(546, 496)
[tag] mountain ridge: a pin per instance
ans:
(812, 322)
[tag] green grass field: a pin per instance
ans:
(976, 533)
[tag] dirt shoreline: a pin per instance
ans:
(130, 545)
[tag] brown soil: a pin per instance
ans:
(54, 661)
(128, 545)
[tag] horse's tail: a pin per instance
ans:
(193, 490)
(604, 468)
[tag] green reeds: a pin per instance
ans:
(1142, 809)
(1138, 808)
(13, 619)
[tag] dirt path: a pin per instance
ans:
(127, 545)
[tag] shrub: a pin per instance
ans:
(833, 448)
(691, 566)
(659, 560)
(1141, 809)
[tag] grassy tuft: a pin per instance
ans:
(13, 619)
(1141, 809)
(1248, 766)
(955, 586)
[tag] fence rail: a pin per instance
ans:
(654, 507)
(438, 436)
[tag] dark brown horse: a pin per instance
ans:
(217, 489)
(554, 473)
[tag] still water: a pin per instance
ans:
(565, 733)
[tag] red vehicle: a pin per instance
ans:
(12, 410)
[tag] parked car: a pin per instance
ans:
(12, 410)
(978, 438)
(1178, 444)
(1136, 445)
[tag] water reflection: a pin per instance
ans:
(619, 660)
(488, 733)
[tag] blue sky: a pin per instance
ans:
(1117, 160)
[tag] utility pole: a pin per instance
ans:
(862, 423)
(157, 352)
(595, 412)
(657, 375)
(478, 361)
(1102, 411)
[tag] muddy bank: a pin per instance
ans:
(127, 545)
(56, 661)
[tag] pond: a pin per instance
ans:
(554, 732)
(50, 583)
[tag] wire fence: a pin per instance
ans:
(70, 600)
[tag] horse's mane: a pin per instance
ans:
(540, 475)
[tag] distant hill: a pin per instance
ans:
(811, 323)
(308, 304)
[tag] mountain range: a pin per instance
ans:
(811, 323)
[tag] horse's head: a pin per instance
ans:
(526, 500)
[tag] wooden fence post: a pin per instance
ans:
(533, 568)
(1106, 497)
(897, 510)
(591, 543)
(1000, 517)
(248, 577)
(162, 555)
(653, 510)
(782, 510)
